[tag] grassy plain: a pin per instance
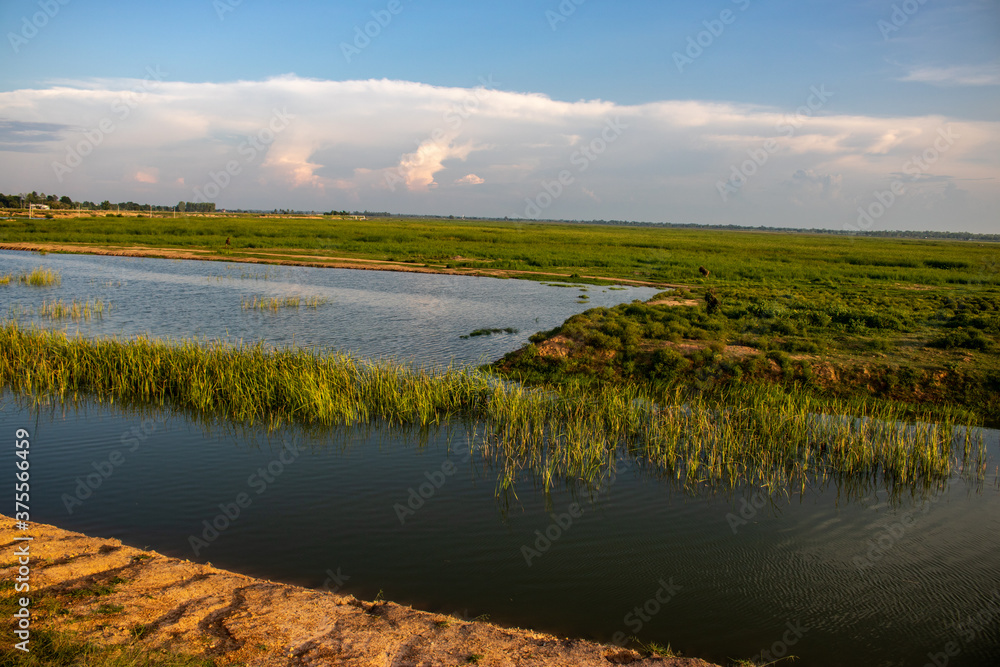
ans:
(914, 320)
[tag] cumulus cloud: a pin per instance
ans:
(406, 146)
(150, 175)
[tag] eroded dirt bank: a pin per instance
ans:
(112, 593)
(293, 257)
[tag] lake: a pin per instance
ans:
(840, 574)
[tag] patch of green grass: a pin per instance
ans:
(58, 310)
(108, 609)
(275, 304)
(40, 277)
(475, 658)
(61, 649)
(489, 332)
(97, 589)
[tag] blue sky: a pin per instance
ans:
(897, 74)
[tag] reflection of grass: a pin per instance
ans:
(275, 304)
(754, 433)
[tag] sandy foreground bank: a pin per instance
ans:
(186, 607)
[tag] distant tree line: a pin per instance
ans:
(64, 202)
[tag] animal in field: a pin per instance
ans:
(704, 272)
(227, 241)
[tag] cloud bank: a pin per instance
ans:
(289, 142)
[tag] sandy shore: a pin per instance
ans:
(186, 607)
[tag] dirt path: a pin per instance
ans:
(197, 609)
(291, 258)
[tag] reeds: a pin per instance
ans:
(40, 277)
(58, 310)
(757, 434)
(275, 304)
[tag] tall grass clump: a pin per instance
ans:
(40, 277)
(58, 310)
(753, 434)
(275, 304)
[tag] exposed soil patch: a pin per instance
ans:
(289, 258)
(674, 302)
(113, 594)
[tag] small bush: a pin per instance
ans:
(963, 339)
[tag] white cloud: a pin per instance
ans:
(345, 142)
(966, 75)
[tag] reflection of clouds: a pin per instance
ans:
(347, 140)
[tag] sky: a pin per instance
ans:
(848, 114)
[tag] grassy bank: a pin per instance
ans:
(750, 433)
(919, 347)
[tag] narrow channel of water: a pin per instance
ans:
(872, 580)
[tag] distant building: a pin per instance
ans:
(41, 207)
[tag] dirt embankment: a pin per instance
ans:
(110, 593)
(292, 257)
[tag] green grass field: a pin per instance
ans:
(663, 255)
(914, 320)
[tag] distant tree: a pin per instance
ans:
(66, 200)
(181, 206)
(105, 205)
